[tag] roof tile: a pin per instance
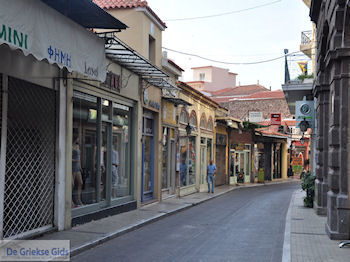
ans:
(113, 4)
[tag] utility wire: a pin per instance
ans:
(232, 63)
(222, 14)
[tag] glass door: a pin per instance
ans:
(147, 159)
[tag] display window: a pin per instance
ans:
(188, 161)
(100, 150)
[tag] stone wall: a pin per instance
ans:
(332, 18)
(240, 108)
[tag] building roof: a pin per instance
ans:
(241, 90)
(183, 85)
(277, 94)
(287, 122)
(128, 4)
(174, 64)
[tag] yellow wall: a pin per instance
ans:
(138, 32)
(200, 106)
(168, 116)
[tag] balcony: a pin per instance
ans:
(306, 43)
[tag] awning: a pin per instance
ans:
(41, 31)
(86, 13)
(177, 101)
(125, 56)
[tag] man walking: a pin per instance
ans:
(211, 171)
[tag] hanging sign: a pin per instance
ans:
(39, 30)
(276, 119)
(305, 112)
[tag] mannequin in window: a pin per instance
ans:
(115, 164)
(76, 174)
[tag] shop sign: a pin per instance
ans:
(46, 34)
(238, 147)
(276, 119)
(305, 111)
(297, 164)
(221, 140)
(255, 117)
(113, 81)
(154, 104)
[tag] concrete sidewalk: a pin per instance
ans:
(85, 236)
(308, 239)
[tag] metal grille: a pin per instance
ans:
(30, 158)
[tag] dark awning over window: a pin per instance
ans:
(86, 13)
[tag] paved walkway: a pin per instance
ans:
(308, 239)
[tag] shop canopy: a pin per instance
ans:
(125, 56)
(49, 31)
(177, 101)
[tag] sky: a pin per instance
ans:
(247, 36)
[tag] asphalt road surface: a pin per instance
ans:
(243, 225)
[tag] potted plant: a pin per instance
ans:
(308, 185)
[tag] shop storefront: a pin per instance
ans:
(151, 148)
(271, 155)
(241, 164)
(34, 85)
(103, 135)
(188, 151)
(206, 148)
(221, 155)
(169, 132)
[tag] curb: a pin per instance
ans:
(88, 245)
(286, 251)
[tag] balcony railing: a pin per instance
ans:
(306, 37)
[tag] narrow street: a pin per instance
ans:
(243, 225)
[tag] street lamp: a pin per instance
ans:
(188, 129)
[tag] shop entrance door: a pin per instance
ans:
(147, 159)
(220, 178)
(29, 189)
(203, 165)
(172, 166)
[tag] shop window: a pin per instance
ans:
(94, 162)
(187, 161)
(203, 123)
(152, 49)
(193, 119)
(165, 158)
(121, 151)
(84, 151)
(210, 124)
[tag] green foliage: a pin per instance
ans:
(303, 76)
(308, 185)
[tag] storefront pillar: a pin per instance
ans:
(284, 160)
(3, 148)
(60, 183)
(69, 138)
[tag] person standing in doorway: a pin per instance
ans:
(211, 171)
